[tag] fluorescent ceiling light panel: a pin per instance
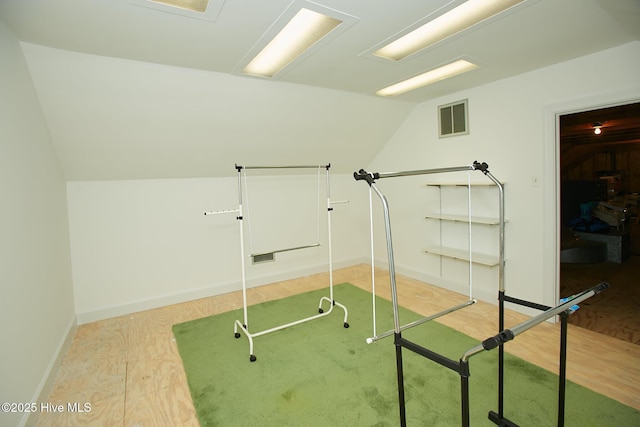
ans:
(304, 30)
(194, 5)
(453, 69)
(207, 10)
(454, 21)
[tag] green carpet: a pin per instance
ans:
(321, 374)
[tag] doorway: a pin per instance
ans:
(599, 174)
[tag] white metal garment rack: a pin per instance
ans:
(243, 326)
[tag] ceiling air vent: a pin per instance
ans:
(453, 119)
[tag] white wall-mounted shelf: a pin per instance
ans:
(453, 214)
(463, 218)
(477, 258)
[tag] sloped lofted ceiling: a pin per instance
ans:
(133, 92)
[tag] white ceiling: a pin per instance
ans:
(540, 33)
(534, 35)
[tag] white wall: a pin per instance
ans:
(139, 244)
(112, 118)
(36, 306)
(512, 128)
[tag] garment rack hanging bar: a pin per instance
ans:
(314, 245)
(327, 166)
(509, 334)
(372, 176)
(421, 321)
(425, 171)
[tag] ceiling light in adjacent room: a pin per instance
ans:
(597, 128)
(305, 29)
(453, 69)
(194, 5)
(454, 21)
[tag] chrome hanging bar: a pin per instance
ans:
(327, 166)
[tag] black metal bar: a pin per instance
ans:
(562, 375)
(501, 359)
(431, 355)
(525, 303)
(400, 373)
(500, 420)
(464, 399)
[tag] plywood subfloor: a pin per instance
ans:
(129, 370)
(615, 313)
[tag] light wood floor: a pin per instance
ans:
(615, 312)
(129, 370)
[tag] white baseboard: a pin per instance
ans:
(212, 290)
(46, 383)
(478, 294)
(484, 295)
